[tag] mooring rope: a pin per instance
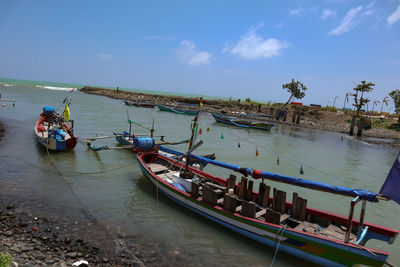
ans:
(278, 234)
(268, 149)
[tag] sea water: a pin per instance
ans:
(110, 185)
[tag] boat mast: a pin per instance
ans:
(191, 141)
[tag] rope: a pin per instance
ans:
(294, 160)
(138, 124)
(278, 234)
(120, 167)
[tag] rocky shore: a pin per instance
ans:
(312, 117)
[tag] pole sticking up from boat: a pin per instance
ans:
(191, 141)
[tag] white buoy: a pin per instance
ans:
(230, 192)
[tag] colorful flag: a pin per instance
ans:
(66, 113)
(391, 187)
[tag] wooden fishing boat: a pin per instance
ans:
(178, 110)
(319, 236)
(315, 235)
(126, 139)
(53, 132)
(139, 104)
(244, 123)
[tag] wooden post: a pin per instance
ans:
(195, 192)
(294, 205)
(350, 219)
(249, 209)
(243, 187)
(230, 183)
(279, 202)
(263, 195)
(273, 217)
(294, 116)
(209, 195)
(362, 214)
(230, 203)
(249, 191)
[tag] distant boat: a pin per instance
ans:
(53, 132)
(244, 123)
(178, 110)
(139, 104)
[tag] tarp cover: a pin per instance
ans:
(363, 194)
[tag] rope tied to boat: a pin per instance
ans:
(279, 233)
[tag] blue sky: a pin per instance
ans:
(224, 48)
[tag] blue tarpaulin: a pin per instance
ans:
(363, 194)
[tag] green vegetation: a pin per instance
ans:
(331, 109)
(362, 88)
(5, 260)
(296, 90)
(395, 95)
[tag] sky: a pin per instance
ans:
(227, 48)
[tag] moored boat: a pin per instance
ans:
(178, 110)
(53, 132)
(244, 123)
(315, 235)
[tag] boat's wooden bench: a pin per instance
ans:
(219, 188)
(156, 168)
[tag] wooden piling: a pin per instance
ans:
(263, 195)
(230, 203)
(249, 209)
(249, 191)
(195, 192)
(230, 183)
(209, 195)
(279, 201)
(243, 187)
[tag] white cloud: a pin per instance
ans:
(105, 57)
(394, 17)
(188, 54)
(296, 11)
(253, 46)
(327, 13)
(279, 25)
(348, 22)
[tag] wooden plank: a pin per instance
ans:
(209, 195)
(220, 201)
(263, 195)
(249, 191)
(195, 192)
(303, 209)
(239, 208)
(230, 183)
(273, 217)
(279, 201)
(249, 209)
(261, 213)
(230, 203)
(222, 188)
(294, 202)
(243, 187)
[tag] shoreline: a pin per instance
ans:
(312, 119)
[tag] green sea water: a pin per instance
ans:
(110, 185)
(75, 85)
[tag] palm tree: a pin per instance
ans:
(376, 102)
(346, 99)
(334, 100)
(385, 101)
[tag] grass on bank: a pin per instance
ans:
(6, 260)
